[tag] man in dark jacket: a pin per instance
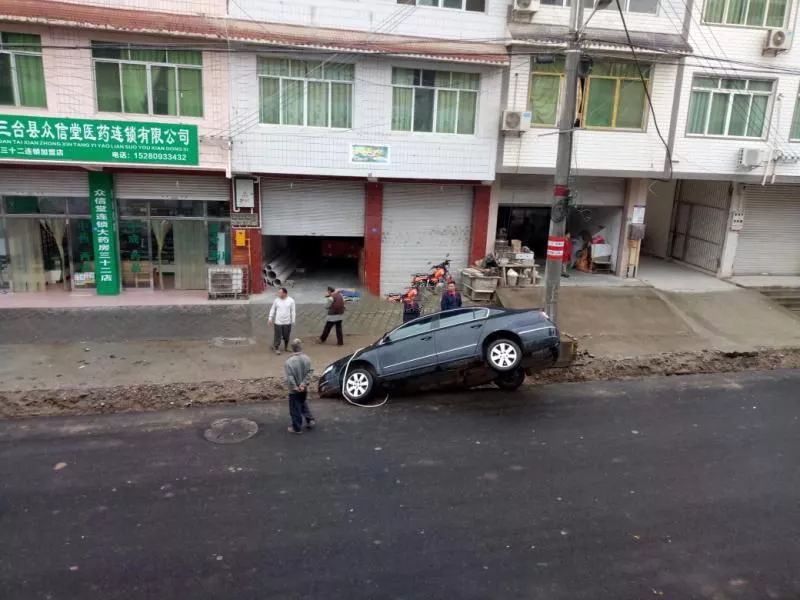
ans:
(411, 308)
(335, 316)
(451, 298)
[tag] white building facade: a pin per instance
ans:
(385, 147)
(737, 205)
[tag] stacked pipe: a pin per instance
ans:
(279, 269)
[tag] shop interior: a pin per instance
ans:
(597, 225)
(46, 243)
(307, 265)
(169, 244)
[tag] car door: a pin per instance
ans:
(457, 335)
(409, 350)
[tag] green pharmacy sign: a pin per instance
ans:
(106, 261)
(89, 140)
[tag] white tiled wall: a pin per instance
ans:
(381, 16)
(194, 7)
(668, 19)
(69, 80)
(261, 148)
(717, 157)
(615, 150)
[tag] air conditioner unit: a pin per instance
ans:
(526, 6)
(778, 40)
(514, 120)
(751, 158)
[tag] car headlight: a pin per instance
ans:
(328, 370)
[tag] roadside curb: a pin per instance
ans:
(149, 397)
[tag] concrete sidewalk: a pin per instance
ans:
(639, 321)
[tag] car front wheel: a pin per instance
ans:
(510, 381)
(358, 384)
(503, 355)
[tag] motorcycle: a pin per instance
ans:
(438, 277)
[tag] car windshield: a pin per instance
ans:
(411, 329)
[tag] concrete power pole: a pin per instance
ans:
(561, 192)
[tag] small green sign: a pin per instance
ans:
(104, 234)
(90, 140)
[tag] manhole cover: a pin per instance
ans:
(230, 431)
(230, 342)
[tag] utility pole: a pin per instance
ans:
(561, 192)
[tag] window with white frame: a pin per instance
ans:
(434, 101)
(470, 5)
(794, 133)
(21, 70)
(148, 80)
(632, 6)
(729, 107)
(306, 93)
(753, 13)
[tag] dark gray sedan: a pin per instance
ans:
(466, 346)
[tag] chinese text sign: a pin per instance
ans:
(84, 140)
(106, 263)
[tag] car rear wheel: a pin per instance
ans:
(503, 355)
(358, 384)
(510, 380)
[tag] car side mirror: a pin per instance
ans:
(385, 339)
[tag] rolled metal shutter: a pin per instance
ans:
(313, 208)
(701, 223)
(422, 224)
(40, 182)
(769, 242)
(143, 186)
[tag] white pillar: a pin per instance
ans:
(731, 237)
(635, 195)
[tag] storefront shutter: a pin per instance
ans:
(312, 208)
(769, 242)
(701, 222)
(421, 225)
(40, 182)
(143, 186)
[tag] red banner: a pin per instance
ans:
(555, 247)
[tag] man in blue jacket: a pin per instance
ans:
(451, 298)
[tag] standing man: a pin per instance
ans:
(566, 259)
(411, 308)
(298, 377)
(335, 315)
(282, 316)
(451, 298)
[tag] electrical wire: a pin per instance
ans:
(646, 89)
(344, 386)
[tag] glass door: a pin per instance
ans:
(136, 265)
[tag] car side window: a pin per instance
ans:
(412, 329)
(457, 317)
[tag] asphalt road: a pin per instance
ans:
(675, 488)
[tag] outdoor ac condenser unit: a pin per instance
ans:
(751, 158)
(526, 6)
(514, 120)
(778, 40)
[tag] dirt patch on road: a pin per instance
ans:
(586, 367)
(80, 401)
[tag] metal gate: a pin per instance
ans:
(769, 242)
(312, 208)
(701, 220)
(155, 186)
(29, 182)
(421, 225)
